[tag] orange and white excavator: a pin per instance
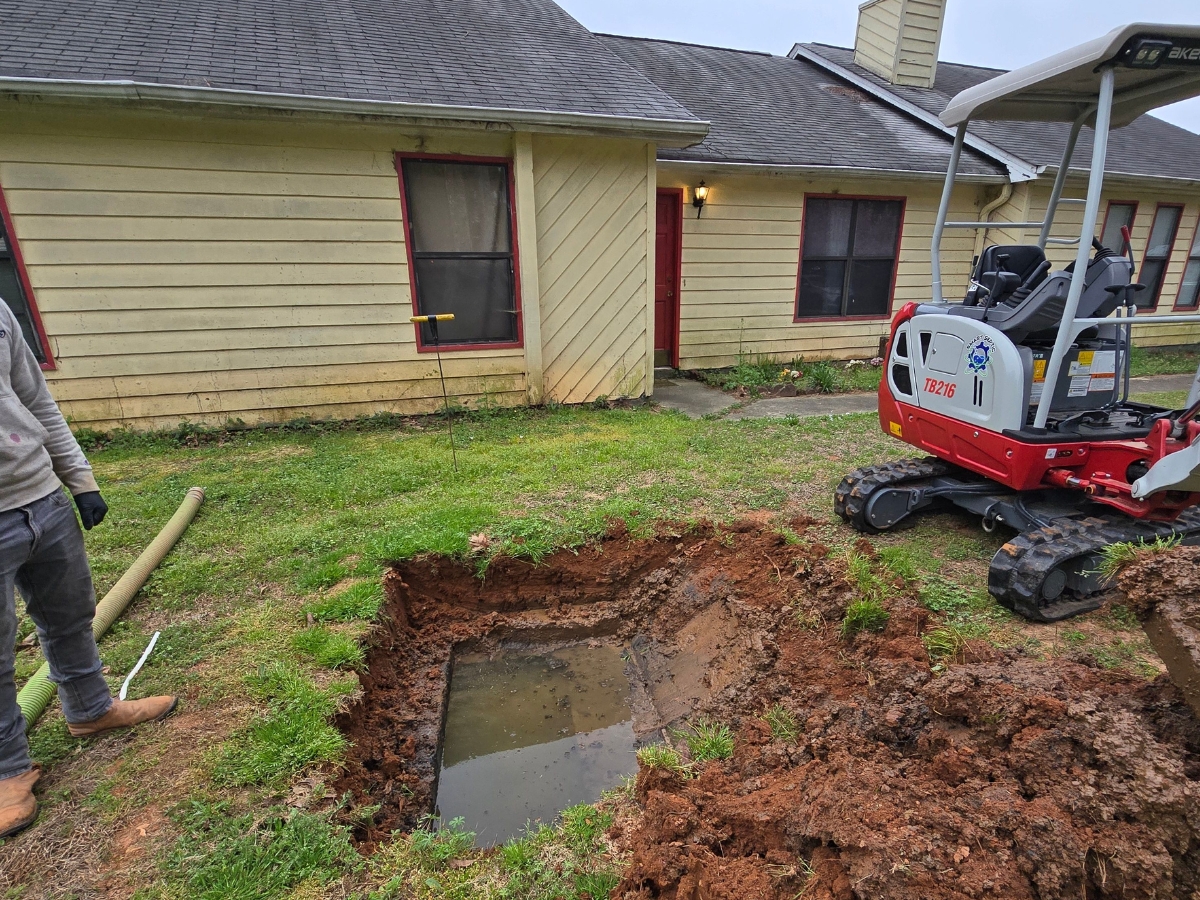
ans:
(1020, 391)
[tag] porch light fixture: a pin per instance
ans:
(699, 198)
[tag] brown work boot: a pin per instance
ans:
(18, 808)
(125, 713)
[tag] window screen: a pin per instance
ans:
(1189, 288)
(13, 294)
(848, 257)
(1119, 215)
(1158, 254)
(459, 222)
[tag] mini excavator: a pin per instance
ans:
(1019, 393)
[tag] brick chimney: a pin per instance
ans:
(899, 39)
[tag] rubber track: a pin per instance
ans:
(1022, 565)
(850, 498)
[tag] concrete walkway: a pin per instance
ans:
(695, 400)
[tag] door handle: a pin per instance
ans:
(670, 293)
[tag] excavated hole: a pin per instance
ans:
(505, 700)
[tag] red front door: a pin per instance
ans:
(666, 277)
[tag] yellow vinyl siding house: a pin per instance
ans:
(206, 255)
(235, 217)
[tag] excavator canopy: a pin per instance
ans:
(1154, 65)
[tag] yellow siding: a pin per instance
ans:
(920, 37)
(215, 269)
(592, 244)
(877, 37)
(741, 264)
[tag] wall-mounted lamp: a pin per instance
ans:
(699, 198)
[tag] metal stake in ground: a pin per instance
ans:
(432, 321)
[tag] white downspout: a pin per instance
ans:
(988, 209)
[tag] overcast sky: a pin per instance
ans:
(1004, 33)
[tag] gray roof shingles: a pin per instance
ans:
(515, 54)
(773, 110)
(1147, 146)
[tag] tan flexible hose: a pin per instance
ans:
(39, 690)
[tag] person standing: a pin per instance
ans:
(42, 555)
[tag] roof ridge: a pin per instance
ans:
(651, 40)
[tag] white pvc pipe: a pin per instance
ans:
(1091, 212)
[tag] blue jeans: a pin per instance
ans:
(42, 554)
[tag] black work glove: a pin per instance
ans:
(92, 508)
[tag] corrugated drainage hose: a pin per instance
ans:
(40, 690)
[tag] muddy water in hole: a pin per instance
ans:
(529, 735)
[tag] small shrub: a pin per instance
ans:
(330, 649)
(823, 376)
(708, 740)
(662, 756)
(782, 723)
(360, 601)
(864, 615)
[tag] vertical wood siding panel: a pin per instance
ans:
(592, 263)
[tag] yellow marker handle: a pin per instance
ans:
(444, 317)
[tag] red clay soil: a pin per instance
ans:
(1005, 777)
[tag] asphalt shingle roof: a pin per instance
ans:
(780, 111)
(1148, 146)
(515, 54)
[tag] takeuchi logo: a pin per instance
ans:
(980, 354)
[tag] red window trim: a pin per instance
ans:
(1186, 261)
(1132, 219)
(798, 319)
(1170, 250)
(512, 213)
(36, 317)
(678, 274)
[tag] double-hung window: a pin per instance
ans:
(13, 293)
(459, 220)
(848, 256)
(1189, 288)
(1120, 215)
(1158, 254)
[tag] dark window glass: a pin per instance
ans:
(848, 257)
(459, 220)
(1189, 288)
(1119, 215)
(13, 294)
(1158, 254)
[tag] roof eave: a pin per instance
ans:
(1018, 169)
(801, 170)
(665, 132)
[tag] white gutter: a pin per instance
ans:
(1018, 169)
(677, 131)
(786, 170)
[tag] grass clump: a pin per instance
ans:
(295, 731)
(866, 614)
(330, 649)
(708, 740)
(1116, 557)
(663, 757)
(583, 825)
(255, 856)
(433, 845)
(359, 601)
(946, 643)
(596, 885)
(782, 723)
(901, 561)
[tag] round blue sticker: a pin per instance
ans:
(979, 354)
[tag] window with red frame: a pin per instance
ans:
(848, 257)
(1119, 215)
(1158, 254)
(13, 294)
(460, 229)
(1189, 288)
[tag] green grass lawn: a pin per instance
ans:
(222, 801)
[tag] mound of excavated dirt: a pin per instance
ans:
(1007, 777)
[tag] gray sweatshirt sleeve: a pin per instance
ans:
(70, 465)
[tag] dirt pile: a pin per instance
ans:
(1005, 777)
